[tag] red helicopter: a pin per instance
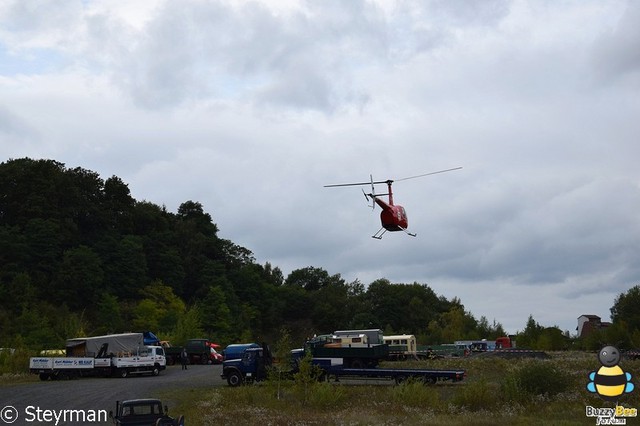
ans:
(393, 216)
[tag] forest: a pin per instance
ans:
(79, 256)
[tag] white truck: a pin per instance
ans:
(83, 360)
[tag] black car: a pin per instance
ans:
(143, 412)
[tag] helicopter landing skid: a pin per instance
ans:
(378, 235)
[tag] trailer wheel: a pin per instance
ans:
(357, 363)
(430, 380)
(234, 379)
(44, 376)
(400, 380)
(123, 373)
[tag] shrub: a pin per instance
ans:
(478, 395)
(306, 377)
(14, 362)
(536, 378)
(415, 393)
(323, 395)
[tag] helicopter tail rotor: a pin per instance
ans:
(365, 195)
(372, 194)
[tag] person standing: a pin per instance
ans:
(184, 357)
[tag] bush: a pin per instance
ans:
(16, 362)
(325, 395)
(478, 395)
(536, 378)
(415, 393)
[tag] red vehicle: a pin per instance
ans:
(505, 342)
(393, 216)
(199, 351)
(216, 357)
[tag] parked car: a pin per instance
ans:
(143, 412)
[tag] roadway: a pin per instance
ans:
(91, 393)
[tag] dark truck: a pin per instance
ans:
(199, 351)
(255, 363)
(350, 354)
(143, 412)
(251, 366)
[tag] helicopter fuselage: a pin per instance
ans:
(393, 217)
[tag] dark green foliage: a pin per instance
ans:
(82, 246)
(79, 279)
(79, 255)
(477, 395)
(625, 308)
(536, 378)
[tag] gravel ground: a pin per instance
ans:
(95, 393)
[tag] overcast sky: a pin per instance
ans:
(250, 108)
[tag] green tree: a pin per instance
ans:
(312, 279)
(193, 213)
(34, 328)
(625, 308)
(532, 332)
(551, 339)
(44, 248)
(434, 333)
(125, 265)
(452, 323)
(189, 326)
(80, 278)
(330, 311)
(19, 293)
(159, 310)
(619, 334)
(108, 315)
(216, 315)
(119, 205)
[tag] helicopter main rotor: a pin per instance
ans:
(390, 181)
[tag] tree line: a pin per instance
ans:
(80, 256)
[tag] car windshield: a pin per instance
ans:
(143, 409)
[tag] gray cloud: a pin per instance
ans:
(251, 108)
(617, 51)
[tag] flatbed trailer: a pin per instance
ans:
(399, 375)
(255, 362)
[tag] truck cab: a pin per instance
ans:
(252, 366)
(145, 360)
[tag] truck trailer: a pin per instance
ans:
(255, 363)
(110, 355)
(199, 351)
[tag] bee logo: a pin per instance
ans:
(610, 381)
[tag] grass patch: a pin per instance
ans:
(414, 393)
(496, 391)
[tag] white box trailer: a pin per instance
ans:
(122, 343)
(143, 360)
